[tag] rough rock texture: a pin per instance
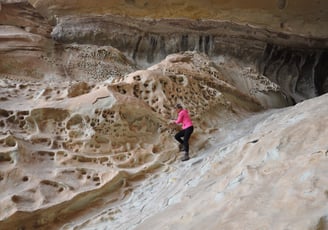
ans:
(300, 73)
(28, 52)
(301, 17)
(87, 89)
(265, 172)
(97, 156)
(24, 39)
(64, 146)
(90, 62)
(243, 30)
(146, 32)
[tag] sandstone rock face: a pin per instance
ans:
(273, 177)
(24, 37)
(300, 17)
(299, 72)
(87, 89)
(28, 52)
(247, 32)
(63, 146)
(90, 62)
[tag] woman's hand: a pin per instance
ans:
(171, 122)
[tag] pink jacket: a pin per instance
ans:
(184, 119)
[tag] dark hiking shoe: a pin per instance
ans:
(185, 157)
(181, 147)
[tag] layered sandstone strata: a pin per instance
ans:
(301, 17)
(24, 41)
(280, 37)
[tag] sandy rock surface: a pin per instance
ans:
(101, 156)
(87, 90)
(297, 17)
(66, 145)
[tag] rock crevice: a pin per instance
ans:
(301, 73)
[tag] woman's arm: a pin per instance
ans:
(180, 118)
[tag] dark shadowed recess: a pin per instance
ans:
(301, 73)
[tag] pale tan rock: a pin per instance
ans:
(84, 140)
(27, 52)
(66, 145)
(272, 178)
(265, 172)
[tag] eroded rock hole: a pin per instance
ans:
(281, 4)
(4, 113)
(5, 157)
(10, 141)
(137, 78)
(16, 199)
(73, 121)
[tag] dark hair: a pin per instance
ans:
(178, 106)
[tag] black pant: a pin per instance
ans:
(185, 133)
